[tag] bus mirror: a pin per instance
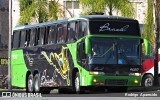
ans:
(87, 46)
(147, 46)
(142, 40)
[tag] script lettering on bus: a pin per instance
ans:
(106, 27)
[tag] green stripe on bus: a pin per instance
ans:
(18, 70)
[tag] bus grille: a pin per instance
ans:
(119, 82)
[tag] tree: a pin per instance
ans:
(156, 4)
(122, 6)
(24, 4)
(41, 11)
(56, 9)
(37, 10)
(151, 31)
(148, 27)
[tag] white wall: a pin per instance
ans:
(15, 12)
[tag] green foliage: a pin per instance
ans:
(23, 4)
(41, 11)
(122, 6)
(25, 16)
(148, 29)
(55, 10)
(37, 9)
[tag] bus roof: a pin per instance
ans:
(89, 17)
(94, 17)
(39, 24)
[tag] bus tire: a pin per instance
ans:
(29, 86)
(36, 84)
(147, 80)
(77, 88)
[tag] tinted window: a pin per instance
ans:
(64, 32)
(41, 36)
(32, 37)
(61, 33)
(23, 42)
(82, 31)
(71, 32)
(28, 37)
(46, 34)
(16, 39)
(52, 35)
(84, 28)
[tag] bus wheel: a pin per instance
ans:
(29, 87)
(147, 81)
(36, 85)
(78, 89)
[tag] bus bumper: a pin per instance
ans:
(102, 80)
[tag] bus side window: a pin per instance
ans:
(37, 36)
(41, 36)
(83, 29)
(27, 37)
(61, 33)
(81, 56)
(32, 37)
(52, 35)
(16, 35)
(23, 38)
(76, 30)
(64, 32)
(46, 34)
(71, 32)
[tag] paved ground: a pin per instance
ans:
(132, 94)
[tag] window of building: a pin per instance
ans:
(71, 4)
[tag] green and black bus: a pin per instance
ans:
(79, 53)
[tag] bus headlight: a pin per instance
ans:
(96, 73)
(136, 81)
(134, 74)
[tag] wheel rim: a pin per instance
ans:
(30, 84)
(36, 86)
(77, 84)
(148, 82)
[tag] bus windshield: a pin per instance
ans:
(115, 51)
